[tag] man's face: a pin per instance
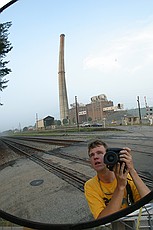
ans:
(96, 157)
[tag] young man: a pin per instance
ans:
(106, 192)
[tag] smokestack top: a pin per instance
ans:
(62, 35)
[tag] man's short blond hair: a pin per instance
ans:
(96, 143)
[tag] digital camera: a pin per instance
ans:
(111, 157)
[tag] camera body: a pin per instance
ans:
(111, 157)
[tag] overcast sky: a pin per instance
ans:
(108, 50)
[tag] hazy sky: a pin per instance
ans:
(108, 50)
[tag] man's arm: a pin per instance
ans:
(115, 203)
(117, 197)
(140, 185)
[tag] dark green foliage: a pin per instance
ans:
(25, 129)
(65, 121)
(89, 119)
(5, 47)
(57, 122)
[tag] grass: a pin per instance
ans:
(65, 131)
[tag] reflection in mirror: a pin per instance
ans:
(38, 192)
(110, 46)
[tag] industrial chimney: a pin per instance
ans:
(63, 101)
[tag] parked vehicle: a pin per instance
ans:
(85, 124)
(96, 125)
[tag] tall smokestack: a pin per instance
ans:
(62, 83)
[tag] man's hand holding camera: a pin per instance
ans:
(121, 175)
(122, 167)
(126, 157)
(125, 166)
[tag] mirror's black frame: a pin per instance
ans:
(81, 225)
(7, 5)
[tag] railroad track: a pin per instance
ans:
(73, 177)
(61, 171)
(65, 142)
(54, 152)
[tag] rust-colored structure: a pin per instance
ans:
(63, 101)
(94, 111)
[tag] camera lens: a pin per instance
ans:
(110, 158)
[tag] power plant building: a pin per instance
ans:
(93, 111)
(95, 108)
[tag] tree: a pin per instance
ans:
(5, 47)
(65, 121)
(25, 129)
(57, 122)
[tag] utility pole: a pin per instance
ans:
(76, 106)
(148, 112)
(147, 108)
(104, 119)
(139, 109)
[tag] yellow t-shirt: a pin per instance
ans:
(98, 194)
